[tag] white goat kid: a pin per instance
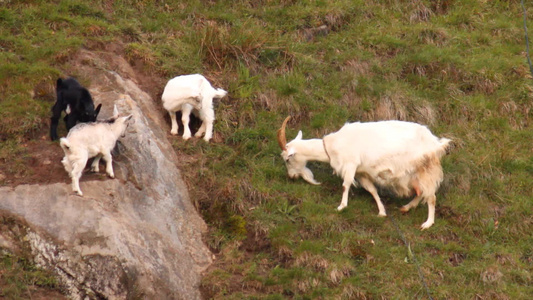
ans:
(95, 139)
(403, 157)
(191, 93)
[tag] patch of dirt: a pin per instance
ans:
(40, 163)
(255, 241)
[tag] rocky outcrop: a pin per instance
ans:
(136, 236)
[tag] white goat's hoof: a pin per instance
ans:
(382, 215)
(186, 137)
(111, 175)
(426, 225)
(404, 209)
(95, 170)
(174, 132)
(79, 193)
(341, 207)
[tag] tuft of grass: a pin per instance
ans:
(19, 275)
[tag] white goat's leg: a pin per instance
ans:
(208, 130)
(371, 188)
(185, 118)
(208, 117)
(173, 122)
(95, 166)
(431, 200)
(77, 170)
(349, 175)
(109, 164)
(201, 130)
(414, 203)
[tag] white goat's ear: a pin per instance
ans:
(290, 152)
(115, 111)
(299, 136)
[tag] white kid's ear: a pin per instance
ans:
(299, 136)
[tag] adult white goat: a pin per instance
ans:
(403, 157)
(188, 93)
(95, 139)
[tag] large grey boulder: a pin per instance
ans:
(134, 237)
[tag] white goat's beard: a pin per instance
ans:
(307, 175)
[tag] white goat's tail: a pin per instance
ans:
(446, 145)
(219, 93)
(65, 145)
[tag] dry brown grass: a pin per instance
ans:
(441, 7)
(337, 274)
(140, 54)
(357, 67)
(350, 291)
(519, 115)
(305, 285)
(419, 12)
(309, 260)
(438, 37)
(225, 46)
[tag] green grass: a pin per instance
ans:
(457, 66)
(18, 274)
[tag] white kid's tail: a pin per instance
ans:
(65, 145)
(219, 93)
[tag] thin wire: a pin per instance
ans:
(527, 38)
(406, 243)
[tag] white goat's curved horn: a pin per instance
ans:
(282, 140)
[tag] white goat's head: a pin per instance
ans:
(119, 122)
(295, 155)
(123, 123)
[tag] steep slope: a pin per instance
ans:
(134, 236)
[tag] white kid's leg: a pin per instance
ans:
(431, 200)
(173, 122)
(208, 117)
(371, 188)
(77, 170)
(185, 118)
(95, 166)
(348, 181)
(67, 165)
(208, 131)
(109, 164)
(201, 130)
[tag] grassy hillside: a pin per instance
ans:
(457, 66)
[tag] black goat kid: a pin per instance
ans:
(76, 101)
